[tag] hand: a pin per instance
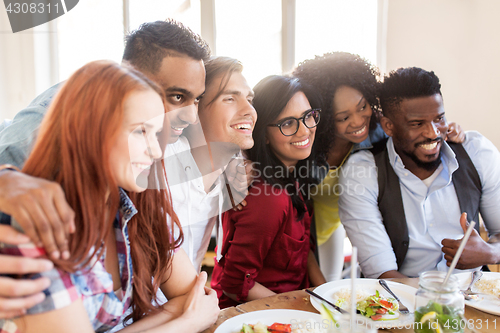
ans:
(476, 252)
(41, 209)
(455, 133)
(18, 295)
(240, 175)
(202, 306)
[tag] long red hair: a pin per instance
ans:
(73, 149)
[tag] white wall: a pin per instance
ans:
(17, 69)
(460, 41)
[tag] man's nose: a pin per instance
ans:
(431, 131)
(248, 110)
(189, 114)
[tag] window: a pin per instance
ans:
(336, 25)
(93, 30)
(250, 31)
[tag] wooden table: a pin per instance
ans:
(299, 300)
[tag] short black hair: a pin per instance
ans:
(272, 94)
(403, 83)
(146, 47)
(326, 74)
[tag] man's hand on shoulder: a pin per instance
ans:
(476, 253)
(40, 207)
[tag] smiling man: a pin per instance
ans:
(227, 119)
(168, 53)
(402, 202)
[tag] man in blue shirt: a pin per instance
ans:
(427, 193)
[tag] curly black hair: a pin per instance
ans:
(410, 82)
(146, 47)
(326, 74)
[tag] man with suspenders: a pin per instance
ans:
(402, 202)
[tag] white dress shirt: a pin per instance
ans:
(432, 212)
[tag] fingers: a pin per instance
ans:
(43, 229)
(11, 314)
(14, 288)
(202, 280)
(12, 307)
(11, 236)
(41, 209)
(463, 222)
(23, 265)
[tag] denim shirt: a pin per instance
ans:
(104, 306)
(17, 139)
(374, 136)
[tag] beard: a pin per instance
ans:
(429, 166)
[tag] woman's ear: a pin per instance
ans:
(387, 125)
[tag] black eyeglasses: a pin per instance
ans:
(290, 126)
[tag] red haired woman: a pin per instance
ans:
(100, 142)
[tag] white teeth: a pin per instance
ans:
(141, 166)
(242, 126)
(429, 146)
(301, 143)
(177, 128)
(360, 131)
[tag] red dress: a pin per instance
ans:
(262, 243)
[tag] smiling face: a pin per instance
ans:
(352, 114)
(418, 129)
(183, 80)
(231, 116)
(137, 144)
(291, 149)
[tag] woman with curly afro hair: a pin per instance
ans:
(348, 86)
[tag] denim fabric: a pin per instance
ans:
(17, 139)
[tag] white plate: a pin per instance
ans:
(490, 303)
(405, 293)
(267, 317)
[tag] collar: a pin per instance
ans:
(126, 209)
(448, 158)
(366, 144)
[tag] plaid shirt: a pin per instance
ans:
(105, 308)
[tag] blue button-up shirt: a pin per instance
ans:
(432, 213)
(17, 139)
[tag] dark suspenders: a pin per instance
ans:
(465, 179)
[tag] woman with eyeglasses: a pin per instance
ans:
(348, 86)
(266, 247)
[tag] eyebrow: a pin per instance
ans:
(302, 114)
(180, 90)
(419, 118)
(359, 103)
(149, 126)
(236, 92)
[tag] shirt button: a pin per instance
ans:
(406, 174)
(247, 276)
(187, 168)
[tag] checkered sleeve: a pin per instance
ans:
(61, 292)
